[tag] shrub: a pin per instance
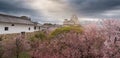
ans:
(1, 50)
(24, 55)
(1, 38)
(38, 36)
(67, 29)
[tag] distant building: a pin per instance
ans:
(49, 27)
(73, 21)
(12, 24)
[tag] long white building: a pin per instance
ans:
(12, 24)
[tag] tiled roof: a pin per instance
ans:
(14, 19)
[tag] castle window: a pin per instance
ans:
(34, 27)
(29, 28)
(12, 25)
(6, 28)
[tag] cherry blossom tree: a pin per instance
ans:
(14, 47)
(112, 32)
(72, 44)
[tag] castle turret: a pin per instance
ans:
(73, 21)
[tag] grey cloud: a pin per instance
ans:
(93, 7)
(58, 1)
(86, 8)
(17, 7)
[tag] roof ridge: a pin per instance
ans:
(14, 19)
(14, 16)
(9, 15)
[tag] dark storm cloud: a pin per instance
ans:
(19, 8)
(84, 8)
(93, 7)
(16, 7)
(6, 7)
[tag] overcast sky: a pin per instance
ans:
(56, 11)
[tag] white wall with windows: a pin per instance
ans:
(8, 28)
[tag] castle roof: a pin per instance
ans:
(14, 19)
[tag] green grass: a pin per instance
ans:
(23, 55)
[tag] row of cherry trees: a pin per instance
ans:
(96, 41)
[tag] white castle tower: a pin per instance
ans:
(73, 21)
